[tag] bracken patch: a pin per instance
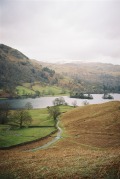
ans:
(89, 148)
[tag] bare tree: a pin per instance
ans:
(4, 113)
(56, 102)
(21, 118)
(74, 103)
(54, 112)
(62, 101)
(85, 102)
(59, 101)
(28, 105)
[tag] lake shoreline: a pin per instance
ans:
(43, 102)
(25, 97)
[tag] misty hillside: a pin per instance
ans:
(90, 77)
(16, 68)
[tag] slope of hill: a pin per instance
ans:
(95, 125)
(90, 77)
(16, 68)
(89, 148)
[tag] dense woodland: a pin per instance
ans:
(16, 69)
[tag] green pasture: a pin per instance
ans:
(41, 126)
(40, 117)
(48, 90)
(65, 108)
(27, 88)
(16, 136)
(21, 90)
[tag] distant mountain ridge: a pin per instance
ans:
(16, 69)
(90, 77)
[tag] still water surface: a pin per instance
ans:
(43, 102)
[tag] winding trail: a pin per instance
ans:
(51, 142)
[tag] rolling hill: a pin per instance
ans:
(95, 125)
(89, 148)
(16, 69)
(89, 77)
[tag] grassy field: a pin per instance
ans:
(40, 118)
(41, 125)
(17, 136)
(88, 149)
(44, 90)
(21, 90)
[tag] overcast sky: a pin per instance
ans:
(62, 30)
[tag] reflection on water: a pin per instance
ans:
(43, 102)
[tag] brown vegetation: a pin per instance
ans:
(95, 125)
(89, 148)
(88, 77)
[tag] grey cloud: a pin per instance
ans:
(51, 30)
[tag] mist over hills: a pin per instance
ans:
(90, 77)
(16, 69)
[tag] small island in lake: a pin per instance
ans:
(107, 96)
(81, 96)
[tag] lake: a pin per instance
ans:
(43, 102)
